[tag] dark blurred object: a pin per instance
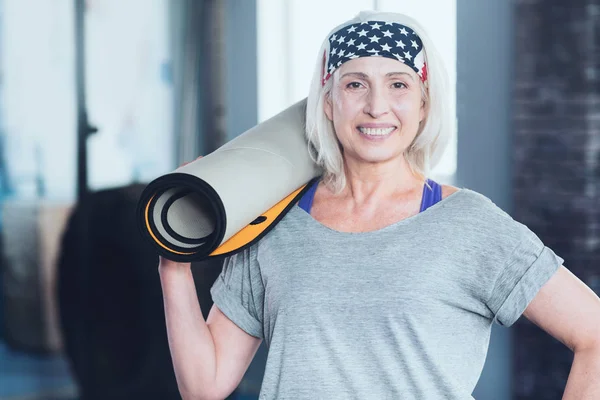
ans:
(110, 300)
(30, 242)
(84, 128)
(199, 65)
(556, 166)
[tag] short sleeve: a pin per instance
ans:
(239, 292)
(530, 265)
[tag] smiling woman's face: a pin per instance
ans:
(376, 107)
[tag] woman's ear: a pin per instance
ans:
(423, 111)
(328, 106)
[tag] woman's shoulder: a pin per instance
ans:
(466, 194)
(474, 206)
(463, 197)
(448, 190)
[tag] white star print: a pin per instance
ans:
(404, 32)
(385, 47)
(387, 33)
(400, 43)
(361, 46)
(399, 57)
(352, 29)
(351, 42)
(373, 50)
(374, 38)
(353, 56)
(414, 44)
(376, 26)
(362, 33)
(341, 39)
(407, 55)
(341, 53)
(333, 38)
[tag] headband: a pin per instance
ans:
(375, 38)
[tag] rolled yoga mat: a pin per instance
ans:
(224, 202)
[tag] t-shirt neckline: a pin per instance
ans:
(423, 214)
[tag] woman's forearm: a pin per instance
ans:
(190, 341)
(584, 378)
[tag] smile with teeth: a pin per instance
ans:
(376, 131)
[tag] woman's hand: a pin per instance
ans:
(165, 263)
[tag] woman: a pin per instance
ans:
(381, 283)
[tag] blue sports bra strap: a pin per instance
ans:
(438, 192)
(306, 200)
(431, 194)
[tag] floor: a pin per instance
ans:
(31, 377)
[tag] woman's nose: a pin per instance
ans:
(377, 104)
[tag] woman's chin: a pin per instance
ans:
(378, 157)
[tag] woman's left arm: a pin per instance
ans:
(570, 311)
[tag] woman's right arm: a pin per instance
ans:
(209, 357)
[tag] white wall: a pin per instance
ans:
(38, 95)
(128, 93)
(290, 33)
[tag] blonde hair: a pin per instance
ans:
(432, 138)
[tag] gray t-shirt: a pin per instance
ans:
(404, 312)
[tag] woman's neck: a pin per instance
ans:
(375, 182)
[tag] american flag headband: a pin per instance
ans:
(375, 38)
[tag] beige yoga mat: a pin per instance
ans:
(222, 203)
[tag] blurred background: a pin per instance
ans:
(98, 97)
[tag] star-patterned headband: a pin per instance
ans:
(375, 38)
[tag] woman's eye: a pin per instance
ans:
(353, 85)
(399, 85)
